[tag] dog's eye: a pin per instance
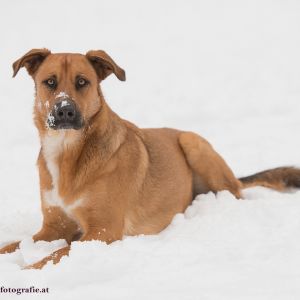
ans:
(81, 82)
(51, 83)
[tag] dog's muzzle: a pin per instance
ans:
(65, 115)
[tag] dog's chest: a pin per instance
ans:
(52, 147)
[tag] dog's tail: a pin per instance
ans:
(278, 179)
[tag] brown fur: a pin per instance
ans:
(278, 179)
(112, 178)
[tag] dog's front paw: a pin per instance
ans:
(55, 258)
(10, 248)
(36, 266)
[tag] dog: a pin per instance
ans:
(102, 177)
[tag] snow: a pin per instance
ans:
(50, 120)
(33, 252)
(63, 95)
(64, 103)
(227, 70)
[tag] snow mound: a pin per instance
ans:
(33, 252)
(215, 248)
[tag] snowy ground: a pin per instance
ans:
(229, 70)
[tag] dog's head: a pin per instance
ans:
(67, 86)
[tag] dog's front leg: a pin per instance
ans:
(10, 248)
(56, 225)
(105, 227)
(55, 257)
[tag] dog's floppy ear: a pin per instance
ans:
(104, 65)
(31, 61)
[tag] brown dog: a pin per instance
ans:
(101, 177)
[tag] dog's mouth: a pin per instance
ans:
(65, 126)
(53, 123)
(64, 115)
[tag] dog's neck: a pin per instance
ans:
(68, 153)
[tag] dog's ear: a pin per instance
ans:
(104, 65)
(31, 61)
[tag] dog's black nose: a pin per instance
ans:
(65, 111)
(65, 115)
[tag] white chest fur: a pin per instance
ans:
(52, 147)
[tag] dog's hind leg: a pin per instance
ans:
(211, 173)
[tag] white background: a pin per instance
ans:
(229, 70)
